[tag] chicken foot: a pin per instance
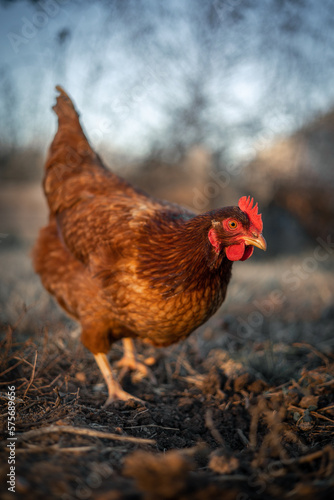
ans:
(115, 391)
(129, 361)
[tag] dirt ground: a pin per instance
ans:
(243, 409)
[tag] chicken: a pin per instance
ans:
(125, 265)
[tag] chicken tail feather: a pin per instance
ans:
(70, 135)
(70, 153)
(64, 107)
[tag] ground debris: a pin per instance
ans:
(220, 430)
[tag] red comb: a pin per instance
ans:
(246, 205)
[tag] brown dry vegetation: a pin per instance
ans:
(243, 409)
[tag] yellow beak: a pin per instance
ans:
(259, 242)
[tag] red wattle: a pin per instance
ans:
(248, 252)
(235, 252)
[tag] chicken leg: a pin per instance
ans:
(130, 362)
(115, 391)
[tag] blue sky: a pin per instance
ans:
(264, 70)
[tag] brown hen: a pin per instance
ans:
(125, 265)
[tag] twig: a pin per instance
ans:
(32, 376)
(152, 425)
(243, 438)
(313, 413)
(51, 383)
(188, 367)
(277, 389)
(315, 351)
(303, 459)
(211, 426)
(232, 478)
(81, 431)
(318, 415)
(331, 407)
(329, 382)
(11, 368)
(55, 447)
(6, 398)
(297, 408)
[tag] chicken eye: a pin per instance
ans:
(232, 224)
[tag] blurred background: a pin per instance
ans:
(199, 102)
